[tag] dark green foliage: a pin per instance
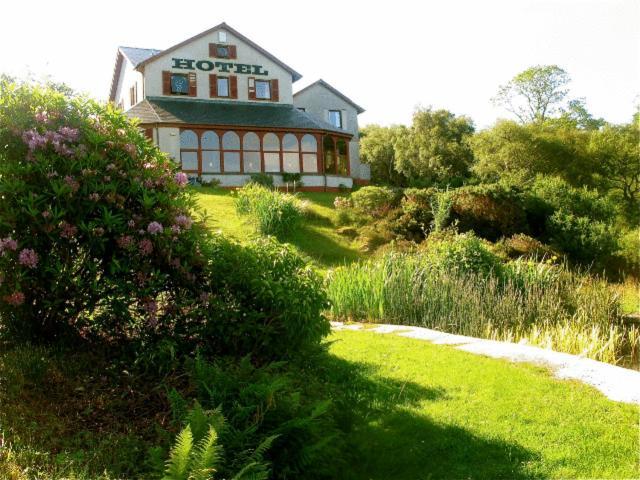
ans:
(375, 202)
(263, 179)
(464, 253)
(491, 211)
(266, 301)
(415, 215)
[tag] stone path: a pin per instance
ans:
(617, 383)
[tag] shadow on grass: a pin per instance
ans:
(322, 247)
(386, 439)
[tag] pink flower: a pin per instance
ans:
(155, 228)
(175, 229)
(125, 241)
(67, 230)
(181, 179)
(72, 183)
(131, 223)
(94, 197)
(42, 116)
(184, 221)
(28, 257)
(145, 246)
(15, 299)
(111, 166)
(98, 231)
(148, 184)
(131, 149)
(46, 214)
(69, 134)
(8, 244)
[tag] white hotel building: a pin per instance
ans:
(224, 108)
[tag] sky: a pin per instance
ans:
(389, 57)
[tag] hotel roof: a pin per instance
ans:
(237, 114)
(324, 84)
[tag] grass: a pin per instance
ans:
(316, 238)
(547, 306)
(412, 410)
(465, 416)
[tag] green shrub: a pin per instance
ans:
(490, 211)
(272, 212)
(416, 217)
(261, 299)
(263, 179)
(462, 253)
(524, 246)
(375, 201)
(95, 222)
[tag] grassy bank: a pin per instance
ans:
(408, 409)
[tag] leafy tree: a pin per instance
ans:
(378, 149)
(436, 149)
(577, 116)
(534, 94)
(616, 149)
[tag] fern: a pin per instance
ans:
(206, 456)
(180, 456)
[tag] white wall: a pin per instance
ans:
(199, 50)
(128, 78)
(168, 140)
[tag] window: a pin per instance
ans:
(210, 144)
(251, 153)
(263, 89)
(179, 84)
(133, 95)
(309, 154)
(335, 118)
(222, 51)
(223, 87)
(271, 146)
(329, 154)
(222, 36)
(189, 151)
(343, 159)
(291, 153)
(231, 151)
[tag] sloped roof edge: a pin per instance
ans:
(333, 90)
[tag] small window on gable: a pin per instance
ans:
(179, 84)
(223, 86)
(222, 36)
(335, 118)
(263, 89)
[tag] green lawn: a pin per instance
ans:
(412, 410)
(451, 414)
(317, 238)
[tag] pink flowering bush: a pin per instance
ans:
(98, 242)
(95, 222)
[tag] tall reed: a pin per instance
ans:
(534, 303)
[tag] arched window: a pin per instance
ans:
(210, 145)
(343, 157)
(189, 151)
(329, 154)
(251, 152)
(231, 152)
(291, 153)
(271, 147)
(309, 154)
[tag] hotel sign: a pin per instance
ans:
(224, 67)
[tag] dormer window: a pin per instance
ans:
(179, 84)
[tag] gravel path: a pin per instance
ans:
(617, 383)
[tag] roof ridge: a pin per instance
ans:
(331, 88)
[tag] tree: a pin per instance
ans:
(577, 115)
(533, 95)
(616, 149)
(377, 149)
(436, 149)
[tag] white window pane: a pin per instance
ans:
(290, 143)
(271, 162)
(231, 161)
(230, 141)
(189, 160)
(251, 141)
(309, 143)
(251, 162)
(210, 161)
(271, 142)
(335, 118)
(310, 162)
(263, 89)
(210, 140)
(223, 87)
(291, 162)
(188, 139)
